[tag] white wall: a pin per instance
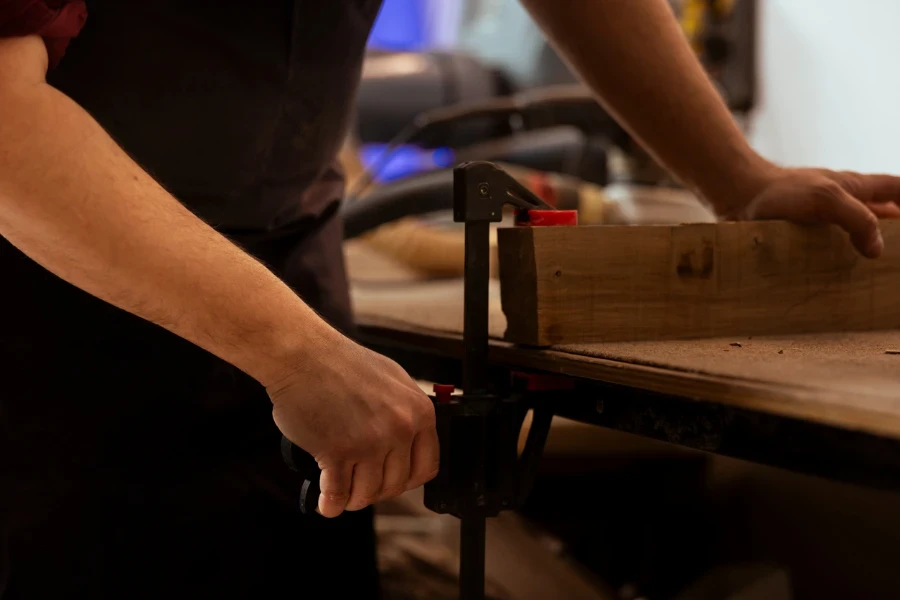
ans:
(442, 21)
(503, 34)
(830, 84)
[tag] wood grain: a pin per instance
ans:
(621, 283)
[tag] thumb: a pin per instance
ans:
(334, 485)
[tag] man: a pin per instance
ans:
(167, 196)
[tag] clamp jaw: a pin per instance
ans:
(481, 472)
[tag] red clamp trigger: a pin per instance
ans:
(543, 382)
(443, 392)
(548, 218)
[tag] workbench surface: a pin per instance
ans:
(844, 382)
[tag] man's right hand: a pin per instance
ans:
(365, 421)
(120, 236)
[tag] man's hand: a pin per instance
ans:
(364, 420)
(852, 201)
(635, 57)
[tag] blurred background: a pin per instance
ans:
(811, 83)
(815, 75)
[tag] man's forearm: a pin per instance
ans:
(74, 202)
(635, 57)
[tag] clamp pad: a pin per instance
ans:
(548, 218)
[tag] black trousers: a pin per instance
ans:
(136, 465)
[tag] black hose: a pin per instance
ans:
(417, 195)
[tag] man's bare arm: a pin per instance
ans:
(635, 56)
(74, 202)
(77, 204)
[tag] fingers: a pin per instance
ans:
(368, 477)
(885, 211)
(335, 484)
(354, 487)
(425, 458)
(832, 204)
(825, 201)
(874, 189)
(370, 446)
(396, 472)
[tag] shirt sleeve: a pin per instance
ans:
(56, 21)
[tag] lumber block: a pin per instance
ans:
(563, 285)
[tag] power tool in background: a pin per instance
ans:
(556, 139)
(398, 89)
(722, 34)
(457, 104)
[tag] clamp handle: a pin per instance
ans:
(302, 462)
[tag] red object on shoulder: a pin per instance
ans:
(56, 21)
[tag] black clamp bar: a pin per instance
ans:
(481, 472)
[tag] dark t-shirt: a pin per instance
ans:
(237, 108)
(134, 464)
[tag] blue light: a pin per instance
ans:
(406, 160)
(400, 26)
(443, 157)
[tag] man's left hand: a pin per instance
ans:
(852, 201)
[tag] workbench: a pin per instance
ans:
(820, 404)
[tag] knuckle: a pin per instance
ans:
(851, 182)
(340, 453)
(825, 199)
(424, 415)
(371, 442)
(394, 369)
(826, 190)
(429, 421)
(368, 441)
(404, 429)
(402, 424)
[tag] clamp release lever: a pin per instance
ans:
(303, 463)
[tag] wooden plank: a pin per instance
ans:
(618, 283)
